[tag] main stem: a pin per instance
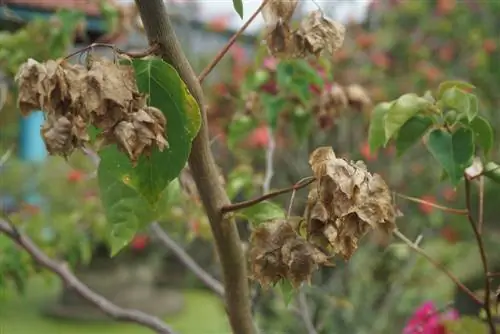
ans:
(201, 161)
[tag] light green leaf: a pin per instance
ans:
(492, 171)
(238, 7)
(474, 107)
(295, 76)
(456, 99)
(401, 111)
(262, 212)
(411, 132)
(483, 133)
(287, 290)
(130, 195)
(376, 132)
(454, 152)
(240, 179)
(302, 122)
(239, 128)
(444, 86)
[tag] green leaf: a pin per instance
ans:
(444, 86)
(454, 151)
(130, 195)
(273, 105)
(474, 107)
(401, 111)
(302, 122)
(411, 132)
(483, 133)
(287, 290)
(238, 7)
(492, 171)
(296, 76)
(466, 325)
(376, 132)
(262, 212)
(456, 99)
(239, 128)
(240, 179)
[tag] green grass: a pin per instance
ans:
(203, 314)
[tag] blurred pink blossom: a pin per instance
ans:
(428, 320)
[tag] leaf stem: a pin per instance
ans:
(245, 204)
(228, 45)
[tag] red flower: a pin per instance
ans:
(139, 242)
(365, 40)
(449, 234)
(259, 138)
(489, 45)
(449, 194)
(445, 6)
(381, 60)
(366, 152)
(446, 53)
(75, 176)
(427, 208)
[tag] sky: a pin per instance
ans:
(340, 10)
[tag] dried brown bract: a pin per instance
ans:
(278, 252)
(333, 100)
(278, 11)
(358, 97)
(103, 94)
(321, 33)
(346, 202)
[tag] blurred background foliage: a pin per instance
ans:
(402, 47)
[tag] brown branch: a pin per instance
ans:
(484, 260)
(438, 265)
(65, 274)
(437, 206)
(159, 30)
(230, 43)
(132, 54)
(245, 204)
(187, 260)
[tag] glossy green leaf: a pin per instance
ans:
(444, 86)
(401, 111)
(376, 132)
(273, 105)
(130, 195)
(262, 212)
(287, 291)
(492, 171)
(454, 152)
(302, 123)
(238, 7)
(456, 99)
(411, 132)
(474, 107)
(239, 128)
(483, 133)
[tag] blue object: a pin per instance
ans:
(31, 146)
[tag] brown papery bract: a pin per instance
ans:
(346, 202)
(103, 94)
(278, 11)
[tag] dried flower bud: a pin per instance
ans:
(358, 98)
(278, 11)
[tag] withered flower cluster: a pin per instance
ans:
(315, 34)
(344, 203)
(103, 94)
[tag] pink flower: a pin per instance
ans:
(270, 63)
(428, 320)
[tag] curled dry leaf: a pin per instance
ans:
(332, 100)
(278, 252)
(103, 94)
(346, 202)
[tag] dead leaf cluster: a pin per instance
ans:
(278, 252)
(345, 202)
(315, 33)
(102, 94)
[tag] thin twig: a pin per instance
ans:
(61, 270)
(438, 265)
(304, 313)
(484, 260)
(135, 54)
(245, 204)
(480, 214)
(437, 206)
(228, 45)
(187, 260)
